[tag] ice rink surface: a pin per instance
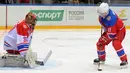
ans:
(73, 51)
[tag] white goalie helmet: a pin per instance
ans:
(103, 9)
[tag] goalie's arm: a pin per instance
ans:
(22, 39)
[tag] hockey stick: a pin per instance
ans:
(99, 64)
(42, 63)
(47, 57)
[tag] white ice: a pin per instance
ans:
(73, 51)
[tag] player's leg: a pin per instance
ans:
(101, 54)
(119, 48)
(13, 52)
(120, 52)
(13, 57)
(102, 42)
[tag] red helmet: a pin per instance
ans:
(31, 18)
(30, 15)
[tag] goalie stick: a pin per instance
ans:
(42, 63)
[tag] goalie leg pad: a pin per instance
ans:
(9, 60)
(2, 61)
(31, 57)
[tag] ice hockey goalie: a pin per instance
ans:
(17, 42)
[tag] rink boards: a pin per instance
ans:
(59, 17)
(59, 27)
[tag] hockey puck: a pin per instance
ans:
(99, 69)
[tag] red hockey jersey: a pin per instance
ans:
(19, 37)
(111, 24)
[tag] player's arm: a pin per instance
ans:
(22, 39)
(109, 34)
(102, 24)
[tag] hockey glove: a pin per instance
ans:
(103, 41)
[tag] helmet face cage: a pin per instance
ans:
(31, 18)
(102, 14)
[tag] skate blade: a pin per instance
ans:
(124, 67)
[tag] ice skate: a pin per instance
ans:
(124, 64)
(97, 60)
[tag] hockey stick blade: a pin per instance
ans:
(42, 63)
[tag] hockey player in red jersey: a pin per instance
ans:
(18, 39)
(114, 31)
